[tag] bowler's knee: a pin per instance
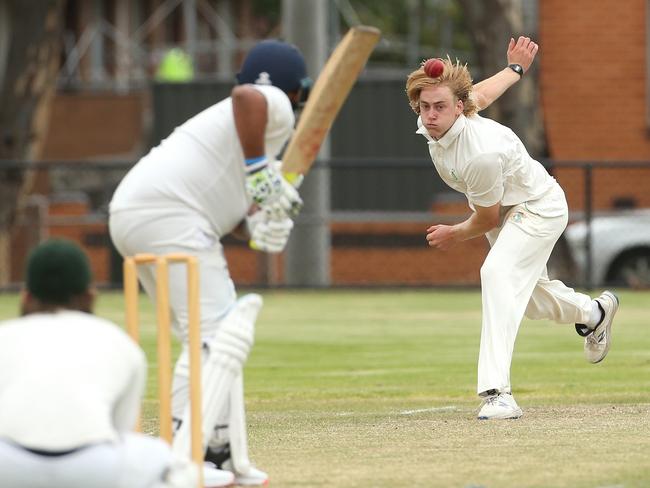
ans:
(491, 273)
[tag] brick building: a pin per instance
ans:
(593, 66)
(594, 61)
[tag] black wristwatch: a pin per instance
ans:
(517, 68)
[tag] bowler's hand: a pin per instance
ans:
(441, 236)
(522, 52)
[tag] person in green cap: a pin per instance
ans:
(71, 385)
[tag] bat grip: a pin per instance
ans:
(295, 179)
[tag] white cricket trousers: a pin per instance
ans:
(178, 230)
(136, 461)
(514, 282)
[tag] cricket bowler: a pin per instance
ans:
(517, 205)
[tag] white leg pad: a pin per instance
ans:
(237, 427)
(228, 351)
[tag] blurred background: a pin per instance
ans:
(89, 86)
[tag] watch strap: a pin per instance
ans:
(517, 68)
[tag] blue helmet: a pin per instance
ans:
(275, 63)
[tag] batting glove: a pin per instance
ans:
(268, 234)
(270, 190)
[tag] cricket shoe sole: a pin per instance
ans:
(598, 342)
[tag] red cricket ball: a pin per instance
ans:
(434, 67)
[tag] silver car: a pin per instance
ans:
(620, 249)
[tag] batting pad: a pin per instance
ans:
(237, 427)
(228, 351)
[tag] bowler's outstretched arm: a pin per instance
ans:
(522, 53)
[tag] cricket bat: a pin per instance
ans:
(326, 98)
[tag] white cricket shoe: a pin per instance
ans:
(216, 478)
(499, 406)
(252, 476)
(597, 342)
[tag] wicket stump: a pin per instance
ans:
(164, 353)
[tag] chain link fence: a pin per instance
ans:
(379, 212)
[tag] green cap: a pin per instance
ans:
(57, 270)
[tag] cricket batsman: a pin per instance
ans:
(215, 175)
(516, 204)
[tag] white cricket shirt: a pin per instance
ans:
(487, 162)
(67, 379)
(200, 166)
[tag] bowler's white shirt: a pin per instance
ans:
(487, 162)
(67, 379)
(200, 166)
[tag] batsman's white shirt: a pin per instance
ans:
(487, 162)
(200, 166)
(184, 196)
(67, 379)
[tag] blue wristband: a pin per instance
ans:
(254, 160)
(255, 164)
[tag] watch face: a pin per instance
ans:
(517, 69)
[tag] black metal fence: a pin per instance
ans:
(379, 211)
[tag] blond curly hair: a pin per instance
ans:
(455, 75)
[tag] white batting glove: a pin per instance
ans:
(268, 233)
(271, 191)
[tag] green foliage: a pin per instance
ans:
(439, 22)
(268, 16)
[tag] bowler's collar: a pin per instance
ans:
(449, 137)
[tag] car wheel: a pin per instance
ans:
(632, 269)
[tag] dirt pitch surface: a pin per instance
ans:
(567, 446)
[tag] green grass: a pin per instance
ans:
(377, 389)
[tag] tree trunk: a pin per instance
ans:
(30, 34)
(490, 24)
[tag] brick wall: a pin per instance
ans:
(91, 125)
(81, 126)
(387, 253)
(68, 219)
(593, 92)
